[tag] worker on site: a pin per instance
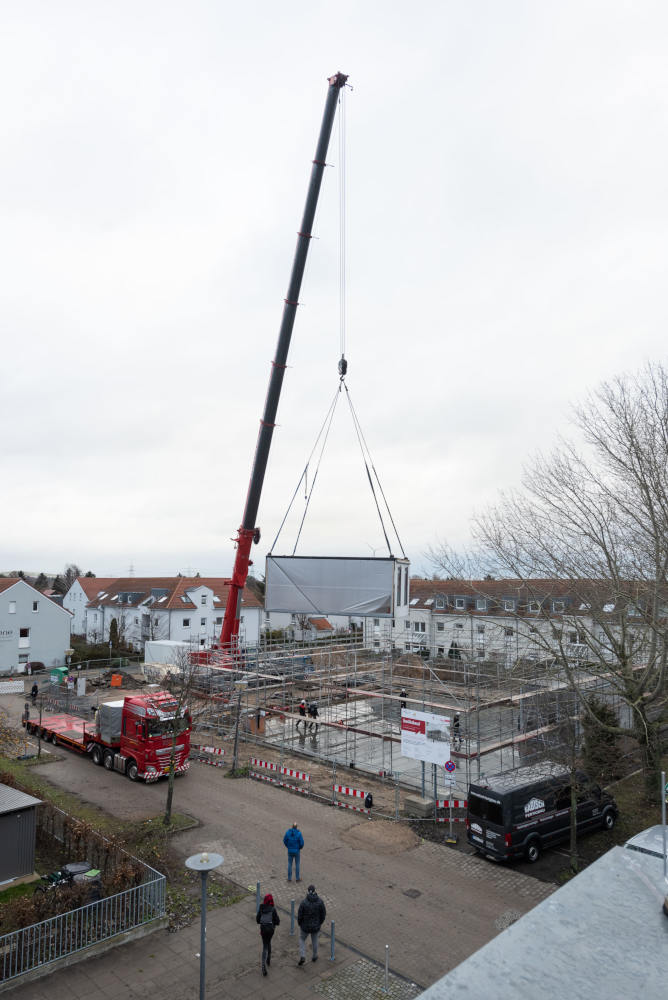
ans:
(302, 713)
(313, 715)
(402, 695)
(34, 691)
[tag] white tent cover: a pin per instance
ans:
(320, 585)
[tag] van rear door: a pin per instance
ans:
(486, 828)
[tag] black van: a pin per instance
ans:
(520, 812)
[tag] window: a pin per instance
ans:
(509, 632)
(534, 607)
(155, 621)
(24, 633)
(481, 604)
(136, 621)
(481, 629)
(508, 605)
(376, 644)
(416, 600)
(440, 650)
(533, 629)
(35, 605)
(440, 603)
(440, 626)
(202, 622)
(458, 625)
(419, 627)
(186, 622)
(12, 607)
(558, 607)
(460, 603)
(204, 599)
(407, 623)
(219, 621)
(481, 653)
(407, 647)
(23, 657)
(376, 622)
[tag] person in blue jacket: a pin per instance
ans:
(294, 842)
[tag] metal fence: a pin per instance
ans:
(24, 950)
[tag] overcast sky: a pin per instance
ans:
(507, 242)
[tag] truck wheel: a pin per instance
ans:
(109, 760)
(132, 771)
(96, 755)
(608, 820)
(54, 738)
(532, 852)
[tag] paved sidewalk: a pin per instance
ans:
(167, 966)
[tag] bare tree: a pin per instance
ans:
(180, 683)
(591, 526)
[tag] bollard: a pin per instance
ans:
(331, 952)
(257, 896)
(387, 969)
(292, 916)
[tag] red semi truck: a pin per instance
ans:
(132, 736)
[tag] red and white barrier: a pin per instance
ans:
(287, 772)
(356, 793)
(455, 803)
(214, 750)
(453, 819)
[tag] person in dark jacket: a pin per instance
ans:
(268, 919)
(294, 842)
(313, 716)
(310, 917)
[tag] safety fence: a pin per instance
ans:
(288, 772)
(203, 754)
(27, 949)
(451, 804)
(355, 793)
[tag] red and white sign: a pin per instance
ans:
(425, 736)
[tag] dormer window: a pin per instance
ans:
(534, 607)
(460, 603)
(508, 604)
(481, 604)
(558, 607)
(203, 599)
(440, 603)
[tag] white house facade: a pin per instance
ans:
(76, 600)
(33, 628)
(182, 609)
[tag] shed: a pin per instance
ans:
(17, 833)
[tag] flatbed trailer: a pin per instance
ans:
(68, 730)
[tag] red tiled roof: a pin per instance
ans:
(321, 625)
(92, 585)
(7, 582)
(176, 588)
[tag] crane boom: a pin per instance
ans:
(248, 532)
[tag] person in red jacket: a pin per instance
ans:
(268, 919)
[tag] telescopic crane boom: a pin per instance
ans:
(248, 532)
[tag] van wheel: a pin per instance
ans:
(96, 755)
(132, 771)
(532, 852)
(608, 820)
(109, 761)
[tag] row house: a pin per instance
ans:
(185, 609)
(500, 620)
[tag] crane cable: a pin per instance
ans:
(323, 433)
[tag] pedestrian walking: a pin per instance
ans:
(310, 917)
(313, 715)
(34, 691)
(294, 842)
(268, 919)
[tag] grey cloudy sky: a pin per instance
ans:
(507, 237)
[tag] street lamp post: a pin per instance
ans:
(203, 863)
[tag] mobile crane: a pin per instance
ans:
(249, 533)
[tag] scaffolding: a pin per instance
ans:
(511, 713)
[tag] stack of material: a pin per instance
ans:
(109, 721)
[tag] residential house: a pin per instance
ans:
(186, 609)
(33, 628)
(84, 590)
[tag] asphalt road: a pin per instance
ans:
(382, 885)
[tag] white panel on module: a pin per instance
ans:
(320, 585)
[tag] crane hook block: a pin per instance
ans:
(343, 367)
(256, 536)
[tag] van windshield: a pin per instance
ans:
(490, 812)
